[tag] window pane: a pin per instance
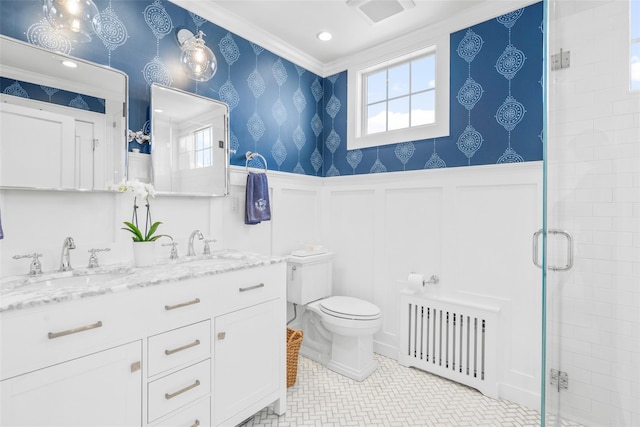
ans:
(377, 87)
(635, 66)
(423, 108)
(377, 118)
(423, 74)
(399, 81)
(399, 113)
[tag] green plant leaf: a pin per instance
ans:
(131, 228)
(152, 230)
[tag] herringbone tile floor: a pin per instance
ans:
(392, 396)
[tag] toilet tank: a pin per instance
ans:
(308, 277)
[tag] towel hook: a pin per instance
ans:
(249, 155)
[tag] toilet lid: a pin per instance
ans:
(349, 308)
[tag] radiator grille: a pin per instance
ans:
(452, 339)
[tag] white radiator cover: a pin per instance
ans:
(454, 339)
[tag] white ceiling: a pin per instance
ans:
(289, 27)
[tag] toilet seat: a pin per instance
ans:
(349, 308)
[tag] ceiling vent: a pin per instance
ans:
(379, 10)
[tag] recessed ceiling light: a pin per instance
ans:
(70, 64)
(324, 36)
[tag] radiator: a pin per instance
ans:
(453, 339)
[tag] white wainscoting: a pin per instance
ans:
(472, 227)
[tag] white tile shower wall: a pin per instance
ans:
(594, 155)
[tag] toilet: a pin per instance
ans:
(338, 330)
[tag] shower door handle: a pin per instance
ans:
(569, 264)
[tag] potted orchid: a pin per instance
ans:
(144, 240)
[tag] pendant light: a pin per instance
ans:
(198, 61)
(77, 19)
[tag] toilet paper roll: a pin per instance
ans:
(416, 281)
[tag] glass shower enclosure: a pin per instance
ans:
(590, 241)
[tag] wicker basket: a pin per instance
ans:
(294, 340)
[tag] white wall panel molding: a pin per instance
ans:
(472, 227)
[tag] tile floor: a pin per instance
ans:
(392, 396)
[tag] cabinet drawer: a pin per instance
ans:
(198, 415)
(178, 389)
(179, 347)
(249, 287)
(176, 305)
(35, 338)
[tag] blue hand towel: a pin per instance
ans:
(257, 208)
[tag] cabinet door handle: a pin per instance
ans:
(184, 347)
(179, 392)
(182, 304)
(53, 335)
(250, 288)
(196, 424)
(221, 335)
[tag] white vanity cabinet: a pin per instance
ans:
(250, 348)
(203, 351)
(101, 389)
(75, 363)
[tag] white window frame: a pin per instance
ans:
(356, 123)
(632, 42)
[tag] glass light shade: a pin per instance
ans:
(198, 61)
(78, 19)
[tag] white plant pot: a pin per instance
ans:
(143, 253)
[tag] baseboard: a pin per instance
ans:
(520, 396)
(385, 350)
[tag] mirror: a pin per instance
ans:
(62, 128)
(189, 143)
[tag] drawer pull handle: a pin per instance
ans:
(250, 288)
(184, 347)
(187, 388)
(196, 424)
(184, 304)
(53, 335)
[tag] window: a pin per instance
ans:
(634, 54)
(196, 149)
(402, 99)
(402, 96)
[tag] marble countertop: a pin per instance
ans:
(20, 292)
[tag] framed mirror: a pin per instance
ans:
(64, 120)
(189, 143)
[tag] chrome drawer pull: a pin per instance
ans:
(184, 304)
(196, 424)
(184, 347)
(250, 288)
(53, 335)
(187, 388)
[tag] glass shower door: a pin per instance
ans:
(591, 237)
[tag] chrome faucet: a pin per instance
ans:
(65, 258)
(190, 250)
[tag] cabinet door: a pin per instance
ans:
(247, 364)
(102, 389)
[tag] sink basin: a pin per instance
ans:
(78, 281)
(210, 262)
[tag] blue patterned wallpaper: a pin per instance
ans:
(296, 119)
(495, 104)
(51, 95)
